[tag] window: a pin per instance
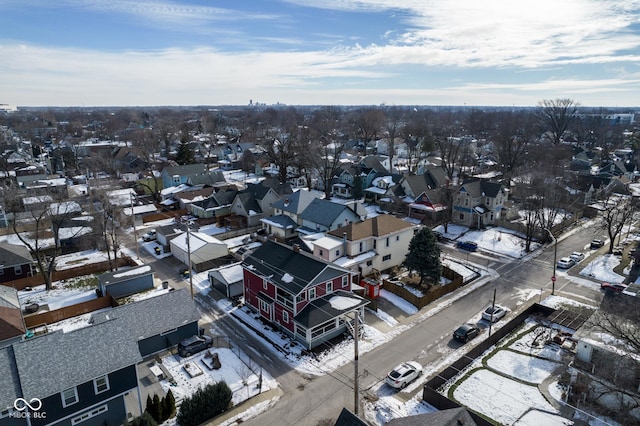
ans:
(387, 242)
(488, 201)
(285, 317)
(461, 216)
(301, 297)
(466, 201)
(345, 281)
(321, 252)
(284, 298)
(397, 237)
(386, 257)
(82, 417)
(312, 293)
(1, 271)
(176, 178)
(264, 306)
(337, 252)
(17, 270)
(101, 384)
(374, 244)
(265, 285)
(69, 397)
(369, 262)
(329, 287)
(361, 246)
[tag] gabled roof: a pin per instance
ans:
(14, 255)
(296, 202)
(324, 212)
(154, 315)
(53, 362)
(249, 202)
(378, 226)
(373, 162)
(290, 270)
(481, 188)
(209, 178)
(185, 170)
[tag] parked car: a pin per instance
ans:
(617, 250)
(194, 344)
(577, 256)
(618, 288)
(494, 313)
(149, 236)
(404, 374)
(596, 243)
(565, 263)
(466, 332)
(467, 245)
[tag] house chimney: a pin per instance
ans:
(286, 202)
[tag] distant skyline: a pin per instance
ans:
(319, 52)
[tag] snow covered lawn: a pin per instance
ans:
(520, 366)
(500, 398)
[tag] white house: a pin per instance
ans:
(379, 243)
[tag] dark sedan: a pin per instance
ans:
(466, 332)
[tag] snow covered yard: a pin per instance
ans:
(241, 375)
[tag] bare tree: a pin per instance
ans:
(393, 127)
(556, 117)
(39, 229)
(615, 212)
(368, 123)
(511, 136)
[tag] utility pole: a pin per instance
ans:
(133, 220)
(356, 389)
(493, 307)
(189, 260)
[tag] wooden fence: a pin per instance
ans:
(419, 302)
(64, 274)
(44, 318)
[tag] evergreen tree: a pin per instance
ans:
(157, 409)
(184, 155)
(149, 407)
(424, 256)
(168, 406)
(204, 404)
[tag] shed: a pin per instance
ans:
(127, 282)
(227, 279)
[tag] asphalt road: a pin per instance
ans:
(319, 400)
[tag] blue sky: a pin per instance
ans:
(301, 52)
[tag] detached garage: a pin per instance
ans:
(228, 279)
(206, 251)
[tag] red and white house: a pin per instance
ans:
(307, 298)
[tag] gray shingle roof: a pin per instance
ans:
(148, 317)
(187, 169)
(322, 310)
(14, 255)
(323, 212)
(482, 188)
(275, 260)
(57, 361)
(10, 384)
(296, 202)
